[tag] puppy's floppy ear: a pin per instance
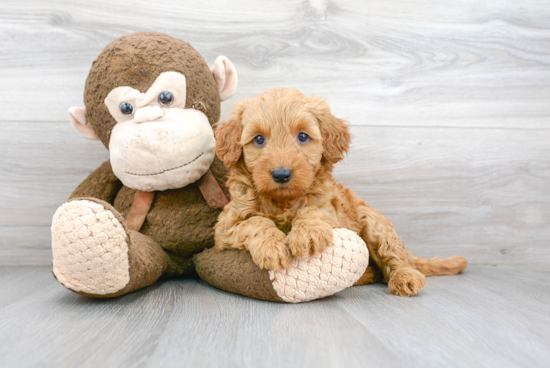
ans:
(228, 136)
(335, 132)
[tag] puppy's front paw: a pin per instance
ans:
(269, 251)
(309, 237)
(406, 282)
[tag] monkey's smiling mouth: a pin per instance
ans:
(174, 168)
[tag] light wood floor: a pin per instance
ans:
(490, 316)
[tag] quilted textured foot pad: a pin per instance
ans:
(337, 268)
(90, 248)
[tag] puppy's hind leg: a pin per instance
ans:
(372, 274)
(389, 253)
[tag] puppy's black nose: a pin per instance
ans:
(281, 175)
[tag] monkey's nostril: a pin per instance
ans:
(281, 175)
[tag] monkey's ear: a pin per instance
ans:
(226, 77)
(78, 119)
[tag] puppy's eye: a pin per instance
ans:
(166, 98)
(302, 137)
(259, 140)
(126, 108)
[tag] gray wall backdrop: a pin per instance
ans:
(448, 101)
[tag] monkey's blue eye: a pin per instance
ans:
(303, 137)
(166, 98)
(126, 108)
(259, 140)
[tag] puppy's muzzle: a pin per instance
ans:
(281, 175)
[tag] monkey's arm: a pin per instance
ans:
(101, 184)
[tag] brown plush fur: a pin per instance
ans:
(179, 220)
(277, 221)
(235, 272)
(135, 61)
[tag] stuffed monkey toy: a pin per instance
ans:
(149, 211)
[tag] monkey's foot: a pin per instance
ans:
(337, 268)
(90, 248)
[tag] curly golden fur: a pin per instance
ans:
(276, 221)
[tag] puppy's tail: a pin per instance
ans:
(439, 266)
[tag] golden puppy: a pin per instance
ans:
(280, 148)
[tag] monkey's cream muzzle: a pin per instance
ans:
(155, 146)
